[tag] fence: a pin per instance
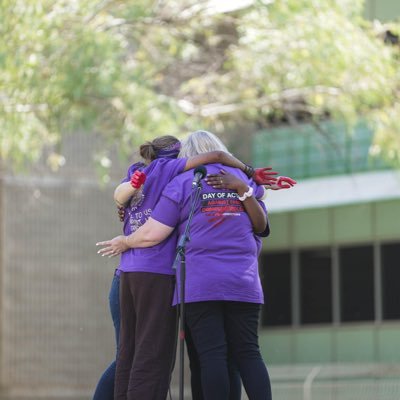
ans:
(336, 382)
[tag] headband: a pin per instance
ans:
(170, 151)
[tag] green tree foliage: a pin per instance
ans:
(91, 65)
(130, 70)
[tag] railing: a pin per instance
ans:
(336, 382)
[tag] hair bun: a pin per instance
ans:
(148, 151)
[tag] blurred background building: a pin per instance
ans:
(330, 269)
(331, 266)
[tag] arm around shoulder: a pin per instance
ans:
(254, 210)
(150, 234)
(214, 157)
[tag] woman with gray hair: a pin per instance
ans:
(200, 142)
(223, 289)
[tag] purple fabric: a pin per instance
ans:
(159, 258)
(221, 256)
(171, 151)
(266, 232)
(131, 170)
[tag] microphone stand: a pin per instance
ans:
(180, 254)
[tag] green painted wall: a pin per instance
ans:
(315, 347)
(388, 343)
(347, 344)
(384, 10)
(310, 228)
(350, 224)
(353, 223)
(354, 344)
(387, 219)
(282, 233)
(336, 225)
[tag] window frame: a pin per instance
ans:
(337, 320)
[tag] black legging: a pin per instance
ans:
(235, 384)
(217, 327)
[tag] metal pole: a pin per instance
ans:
(180, 253)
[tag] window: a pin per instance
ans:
(276, 273)
(317, 296)
(390, 280)
(315, 286)
(357, 283)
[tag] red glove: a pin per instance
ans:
(264, 176)
(284, 182)
(138, 179)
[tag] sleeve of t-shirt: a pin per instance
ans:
(132, 168)
(166, 212)
(258, 190)
(167, 168)
(128, 175)
(266, 231)
(176, 166)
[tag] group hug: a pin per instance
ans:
(223, 292)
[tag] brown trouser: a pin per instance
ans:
(147, 340)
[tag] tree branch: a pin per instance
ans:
(288, 95)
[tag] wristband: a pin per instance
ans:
(248, 170)
(247, 194)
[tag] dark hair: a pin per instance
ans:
(149, 150)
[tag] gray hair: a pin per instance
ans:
(201, 142)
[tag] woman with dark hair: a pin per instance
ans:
(147, 327)
(149, 151)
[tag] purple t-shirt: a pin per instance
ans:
(159, 258)
(266, 232)
(131, 170)
(221, 256)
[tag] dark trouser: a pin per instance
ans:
(235, 384)
(147, 341)
(217, 327)
(105, 386)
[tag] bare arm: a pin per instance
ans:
(150, 234)
(262, 176)
(126, 190)
(123, 192)
(220, 157)
(253, 209)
